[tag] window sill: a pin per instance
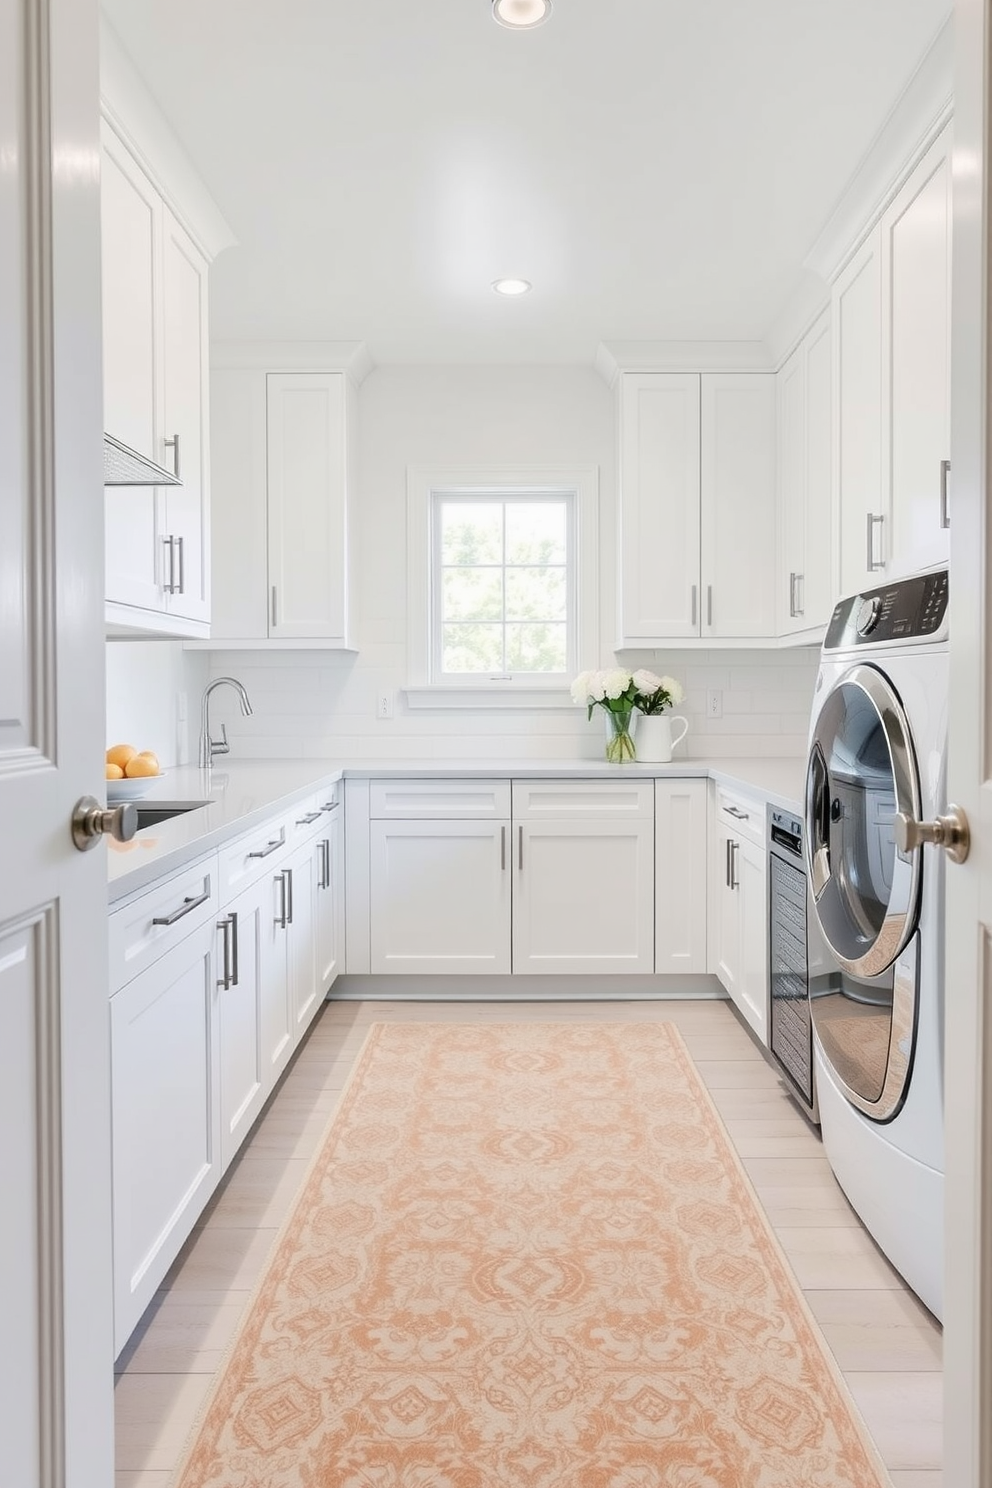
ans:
(499, 695)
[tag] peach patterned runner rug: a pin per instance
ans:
(526, 1256)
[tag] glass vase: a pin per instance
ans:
(619, 735)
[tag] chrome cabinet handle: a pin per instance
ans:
(91, 821)
(275, 612)
(288, 875)
(224, 926)
(502, 849)
(796, 582)
(180, 543)
(304, 821)
(945, 511)
(709, 604)
(792, 596)
(693, 620)
(263, 852)
(330, 806)
(735, 882)
(234, 947)
(520, 849)
(801, 587)
(173, 444)
(873, 520)
(740, 815)
(283, 919)
(324, 881)
(169, 584)
(187, 907)
(726, 863)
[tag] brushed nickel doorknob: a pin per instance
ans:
(91, 821)
(950, 831)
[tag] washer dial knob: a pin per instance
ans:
(868, 615)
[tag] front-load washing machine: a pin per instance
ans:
(877, 747)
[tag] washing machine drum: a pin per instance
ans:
(861, 771)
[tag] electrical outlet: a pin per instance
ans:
(384, 705)
(714, 704)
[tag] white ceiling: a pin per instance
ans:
(658, 168)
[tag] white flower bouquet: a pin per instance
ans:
(620, 692)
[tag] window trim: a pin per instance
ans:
(582, 483)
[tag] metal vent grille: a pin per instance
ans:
(125, 467)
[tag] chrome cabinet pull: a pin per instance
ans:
(325, 864)
(945, 511)
(520, 849)
(169, 584)
(330, 806)
(735, 848)
(173, 444)
(187, 907)
(234, 948)
(726, 864)
(873, 520)
(283, 919)
(304, 821)
(288, 874)
(693, 620)
(275, 612)
(263, 852)
(180, 543)
(709, 604)
(224, 926)
(801, 589)
(792, 596)
(502, 849)
(735, 812)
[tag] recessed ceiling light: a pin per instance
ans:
(512, 286)
(521, 15)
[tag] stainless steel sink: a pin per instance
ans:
(159, 811)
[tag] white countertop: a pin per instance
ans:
(242, 793)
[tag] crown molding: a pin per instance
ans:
(920, 113)
(802, 309)
(131, 112)
(351, 357)
(614, 357)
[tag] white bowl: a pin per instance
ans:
(130, 790)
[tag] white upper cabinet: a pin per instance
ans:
(659, 506)
(155, 338)
(916, 300)
(856, 317)
(282, 448)
(738, 505)
(805, 578)
(697, 506)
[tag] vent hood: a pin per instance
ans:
(125, 467)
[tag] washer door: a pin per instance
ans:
(861, 771)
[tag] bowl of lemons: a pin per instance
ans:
(130, 772)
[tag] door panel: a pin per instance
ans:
(185, 382)
(857, 379)
(56, 1291)
(737, 595)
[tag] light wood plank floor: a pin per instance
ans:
(885, 1342)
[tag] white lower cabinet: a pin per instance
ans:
(680, 833)
(166, 1116)
(739, 915)
(440, 896)
(583, 896)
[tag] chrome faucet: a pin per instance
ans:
(208, 746)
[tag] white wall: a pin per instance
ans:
(145, 680)
(319, 703)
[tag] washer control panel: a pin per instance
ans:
(907, 609)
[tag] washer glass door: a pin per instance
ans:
(861, 771)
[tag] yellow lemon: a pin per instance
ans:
(119, 754)
(114, 772)
(141, 764)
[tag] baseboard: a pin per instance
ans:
(378, 988)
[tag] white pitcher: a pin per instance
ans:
(654, 740)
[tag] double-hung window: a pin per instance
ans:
(503, 586)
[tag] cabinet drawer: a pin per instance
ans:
(439, 800)
(743, 815)
(143, 930)
(244, 862)
(578, 800)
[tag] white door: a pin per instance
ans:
(440, 896)
(130, 258)
(737, 498)
(307, 536)
(817, 580)
(583, 896)
(968, 1047)
(790, 384)
(856, 319)
(680, 880)
(659, 505)
(916, 262)
(56, 1406)
(184, 297)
